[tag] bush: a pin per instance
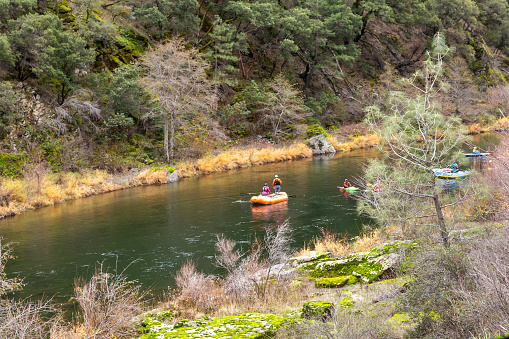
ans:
(316, 129)
(10, 165)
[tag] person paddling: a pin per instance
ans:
(266, 189)
(454, 167)
(347, 184)
(276, 183)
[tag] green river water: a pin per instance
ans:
(149, 232)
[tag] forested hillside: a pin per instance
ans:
(112, 84)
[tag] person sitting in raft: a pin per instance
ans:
(347, 184)
(475, 151)
(266, 189)
(276, 183)
(376, 187)
(454, 167)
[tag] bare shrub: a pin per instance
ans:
(461, 292)
(24, 319)
(497, 176)
(345, 325)
(195, 287)
(260, 269)
(108, 304)
(487, 301)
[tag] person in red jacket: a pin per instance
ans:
(276, 183)
(347, 183)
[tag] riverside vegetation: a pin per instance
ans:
(88, 104)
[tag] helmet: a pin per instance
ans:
(265, 184)
(275, 176)
(346, 179)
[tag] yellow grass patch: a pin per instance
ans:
(236, 158)
(53, 193)
(500, 124)
(94, 178)
(340, 246)
(474, 128)
(358, 142)
(110, 187)
(152, 176)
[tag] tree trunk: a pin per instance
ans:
(166, 150)
(172, 134)
(441, 221)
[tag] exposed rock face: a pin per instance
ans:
(173, 176)
(320, 145)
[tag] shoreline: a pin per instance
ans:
(41, 188)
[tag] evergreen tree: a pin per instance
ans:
(419, 139)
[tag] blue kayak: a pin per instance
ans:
(447, 173)
(475, 155)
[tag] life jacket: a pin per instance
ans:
(276, 181)
(376, 188)
(347, 184)
(265, 190)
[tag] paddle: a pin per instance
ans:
(249, 193)
(292, 196)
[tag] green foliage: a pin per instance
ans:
(124, 93)
(319, 106)
(318, 310)
(315, 129)
(13, 9)
(11, 165)
(117, 126)
(9, 110)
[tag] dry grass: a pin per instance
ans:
(501, 124)
(362, 141)
(236, 158)
(152, 176)
(474, 128)
(340, 245)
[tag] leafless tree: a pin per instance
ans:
(176, 78)
(283, 106)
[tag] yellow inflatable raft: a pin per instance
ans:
(269, 199)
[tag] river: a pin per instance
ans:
(147, 233)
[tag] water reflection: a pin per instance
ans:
(270, 213)
(452, 186)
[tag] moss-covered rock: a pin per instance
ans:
(336, 281)
(366, 266)
(319, 310)
(247, 325)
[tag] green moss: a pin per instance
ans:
(400, 318)
(315, 129)
(346, 301)
(336, 281)
(365, 266)
(321, 310)
(247, 325)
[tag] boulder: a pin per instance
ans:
(320, 145)
(173, 176)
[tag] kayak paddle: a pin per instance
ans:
(249, 193)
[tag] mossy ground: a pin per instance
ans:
(246, 325)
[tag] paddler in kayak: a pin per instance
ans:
(276, 183)
(347, 184)
(266, 189)
(454, 167)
